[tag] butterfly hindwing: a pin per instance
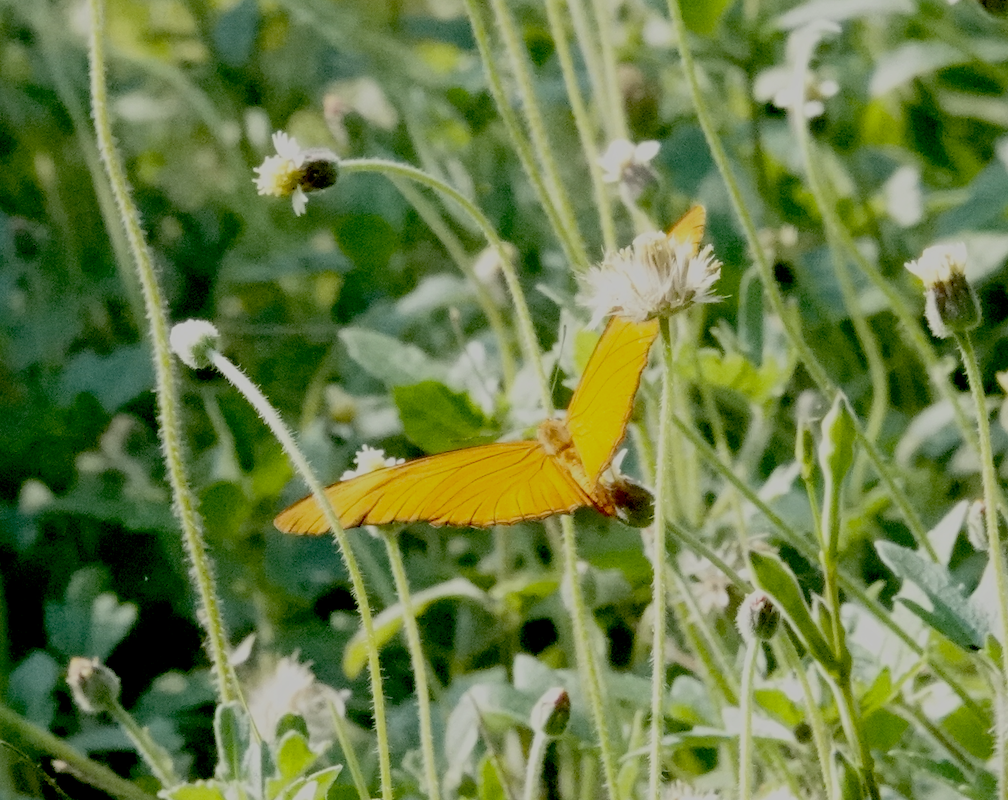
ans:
(495, 484)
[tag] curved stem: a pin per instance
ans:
(13, 726)
(279, 429)
(169, 426)
(995, 549)
(533, 768)
(412, 631)
(453, 246)
(530, 344)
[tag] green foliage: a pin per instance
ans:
(375, 319)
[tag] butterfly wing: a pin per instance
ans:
(690, 227)
(495, 484)
(600, 408)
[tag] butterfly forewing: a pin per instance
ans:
(496, 484)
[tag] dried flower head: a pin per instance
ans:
(951, 305)
(294, 171)
(658, 275)
(94, 686)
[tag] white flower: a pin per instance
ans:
(656, 276)
(293, 170)
(939, 264)
(193, 340)
(290, 687)
(784, 86)
(629, 165)
(368, 459)
(710, 585)
(623, 155)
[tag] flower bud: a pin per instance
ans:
(757, 617)
(551, 712)
(94, 686)
(951, 305)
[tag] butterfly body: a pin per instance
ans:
(558, 472)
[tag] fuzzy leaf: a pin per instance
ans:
(437, 419)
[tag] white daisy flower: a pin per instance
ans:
(656, 276)
(368, 459)
(294, 171)
(950, 302)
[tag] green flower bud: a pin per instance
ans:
(94, 686)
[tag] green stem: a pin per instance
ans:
(851, 721)
(789, 321)
(801, 543)
(518, 139)
(613, 112)
(419, 662)
(279, 429)
(814, 714)
(156, 757)
(659, 603)
(530, 344)
(169, 427)
(745, 781)
(453, 246)
(995, 549)
(15, 727)
(582, 121)
(349, 754)
(533, 768)
(521, 73)
(586, 656)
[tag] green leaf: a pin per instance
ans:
(389, 621)
(293, 755)
(751, 317)
(234, 35)
(437, 419)
(702, 16)
(200, 790)
(30, 688)
(953, 614)
(972, 731)
(224, 509)
(883, 729)
(776, 702)
(389, 360)
(232, 732)
(113, 379)
(774, 578)
(734, 371)
(88, 622)
(491, 787)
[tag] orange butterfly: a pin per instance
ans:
(507, 482)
